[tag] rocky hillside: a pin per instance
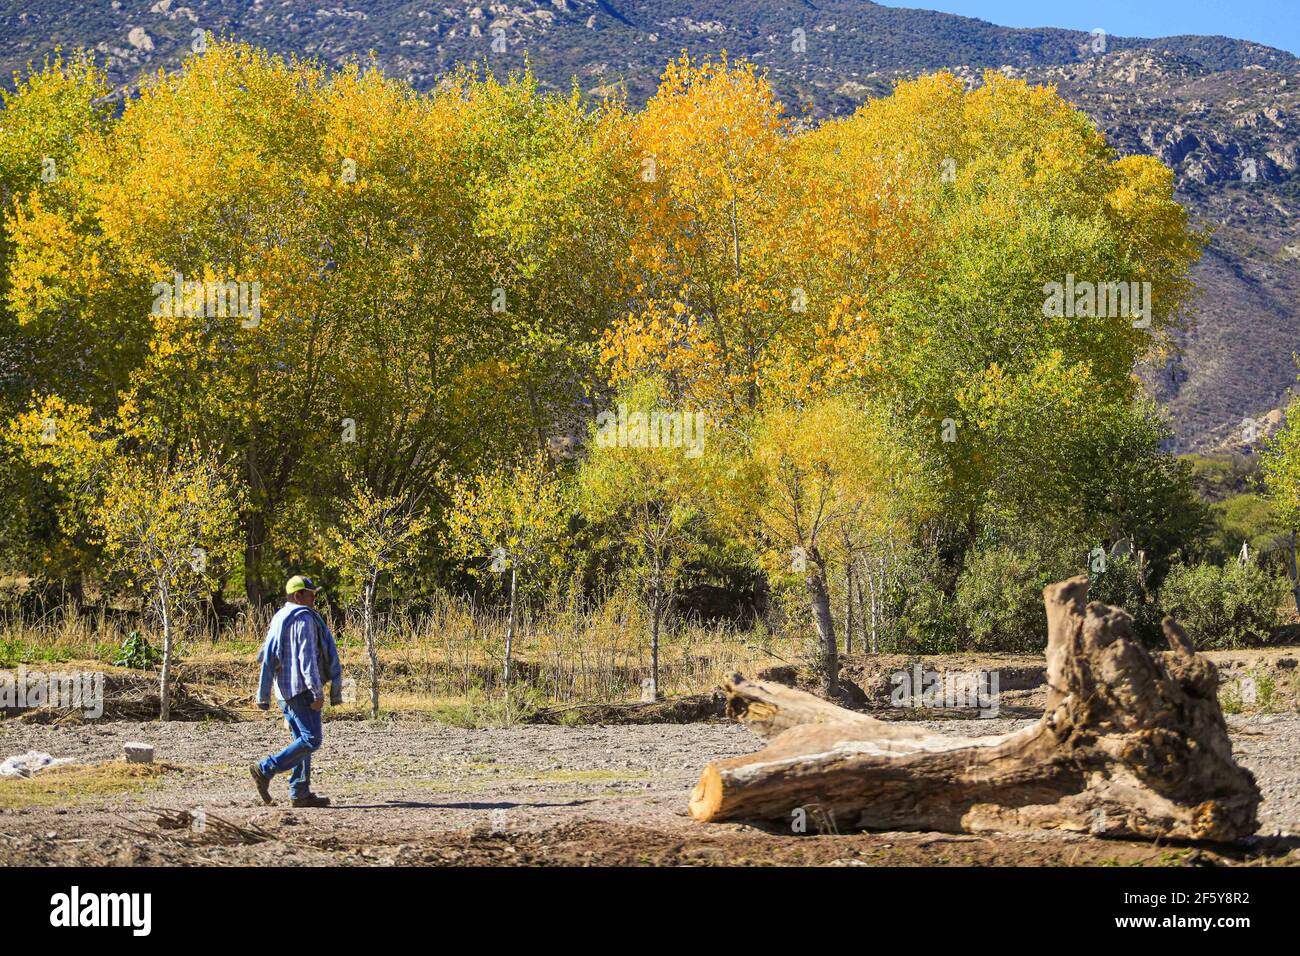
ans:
(1223, 113)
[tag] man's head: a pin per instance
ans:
(301, 590)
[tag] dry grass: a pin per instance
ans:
(564, 654)
(79, 783)
(58, 635)
(445, 661)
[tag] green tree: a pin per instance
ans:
(650, 496)
(1281, 461)
(163, 525)
(514, 517)
(375, 536)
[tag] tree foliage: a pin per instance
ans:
(350, 297)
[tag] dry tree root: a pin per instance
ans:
(1130, 744)
(202, 828)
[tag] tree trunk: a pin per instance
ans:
(510, 630)
(1295, 573)
(368, 622)
(819, 601)
(222, 609)
(655, 615)
(1131, 744)
(165, 683)
(875, 607)
(255, 536)
(253, 516)
(848, 606)
(75, 588)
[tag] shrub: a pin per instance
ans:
(1230, 606)
(919, 616)
(138, 653)
(999, 601)
(1252, 692)
(1123, 584)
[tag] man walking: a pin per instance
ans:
(298, 657)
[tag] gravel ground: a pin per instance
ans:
(420, 792)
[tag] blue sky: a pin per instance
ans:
(1274, 22)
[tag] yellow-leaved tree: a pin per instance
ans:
(164, 524)
(711, 225)
(510, 519)
(824, 481)
(647, 483)
(374, 536)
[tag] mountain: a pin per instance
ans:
(1223, 113)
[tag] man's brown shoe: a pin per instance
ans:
(311, 800)
(262, 781)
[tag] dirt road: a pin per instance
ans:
(416, 792)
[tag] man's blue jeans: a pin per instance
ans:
(305, 725)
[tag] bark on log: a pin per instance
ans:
(1130, 744)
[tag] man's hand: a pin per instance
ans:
(318, 703)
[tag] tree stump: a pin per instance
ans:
(1130, 744)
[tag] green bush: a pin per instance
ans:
(918, 613)
(1123, 584)
(999, 601)
(138, 653)
(1246, 517)
(1234, 605)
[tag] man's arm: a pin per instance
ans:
(269, 659)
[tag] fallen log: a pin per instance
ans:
(1130, 744)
